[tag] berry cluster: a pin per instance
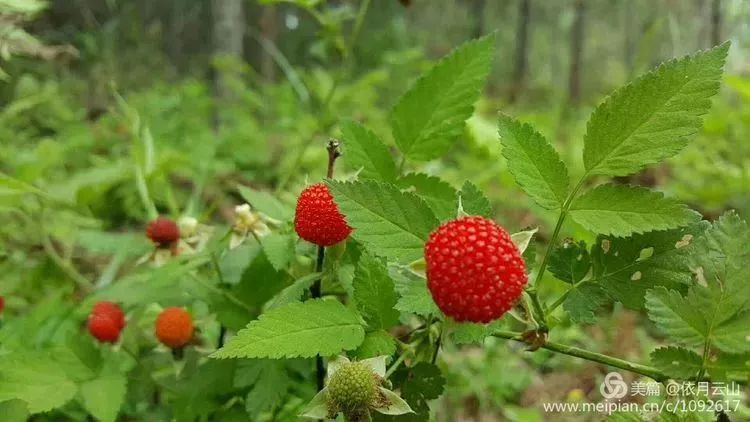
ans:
(174, 327)
(106, 321)
(317, 218)
(474, 271)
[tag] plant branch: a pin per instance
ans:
(648, 371)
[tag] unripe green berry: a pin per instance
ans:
(352, 388)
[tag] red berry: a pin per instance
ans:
(174, 327)
(2, 304)
(103, 328)
(111, 310)
(318, 219)
(474, 271)
(163, 231)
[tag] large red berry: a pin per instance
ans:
(103, 328)
(163, 231)
(174, 327)
(111, 310)
(474, 271)
(318, 219)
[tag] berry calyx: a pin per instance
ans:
(163, 232)
(474, 271)
(317, 218)
(111, 310)
(174, 327)
(103, 328)
(352, 390)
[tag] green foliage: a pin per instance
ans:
(374, 293)
(306, 329)
(388, 222)
(624, 210)
(439, 195)
(365, 151)
(432, 113)
(570, 262)
(651, 119)
(534, 163)
(473, 201)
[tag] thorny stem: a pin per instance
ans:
(648, 371)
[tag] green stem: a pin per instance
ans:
(648, 371)
(553, 240)
(395, 365)
(564, 296)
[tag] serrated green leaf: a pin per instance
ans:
(266, 203)
(473, 201)
(628, 267)
(279, 249)
(35, 378)
(623, 210)
(295, 291)
(377, 343)
(315, 327)
(583, 302)
(103, 396)
(534, 163)
(570, 262)
(374, 293)
(388, 222)
(269, 387)
(432, 113)
(651, 118)
(700, 318)
(364, 150)
(439, 195)
(415, 297)
(676, 362)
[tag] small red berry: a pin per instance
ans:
(174, 327)
(2, 304)
(111, 310)
(318, 219)
(163, 231)
(103, 328)
(474, 271)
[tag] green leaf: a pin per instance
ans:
(414, 295)
(570, 262)
(534, 163)
(377, 343)
(315, 327)
(420, 383)
(700, 318)
(295, 291)
(386, 221)
(439, 195)
(279, 248)
(374, 293)
(468, 333)
(628, 267)
(676, 362)
(652, 118)
(266, 203)
(432, 113)
(473, 201)
(269, 388)
(364, 150)
(14, 411)
(583, 302)
(103, 396)
(35, 378)
(623, 210)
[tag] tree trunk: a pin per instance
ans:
(228, 33)
(715, 22)
(522, 47)
(576, 52)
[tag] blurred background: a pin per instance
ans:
(203, 95)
